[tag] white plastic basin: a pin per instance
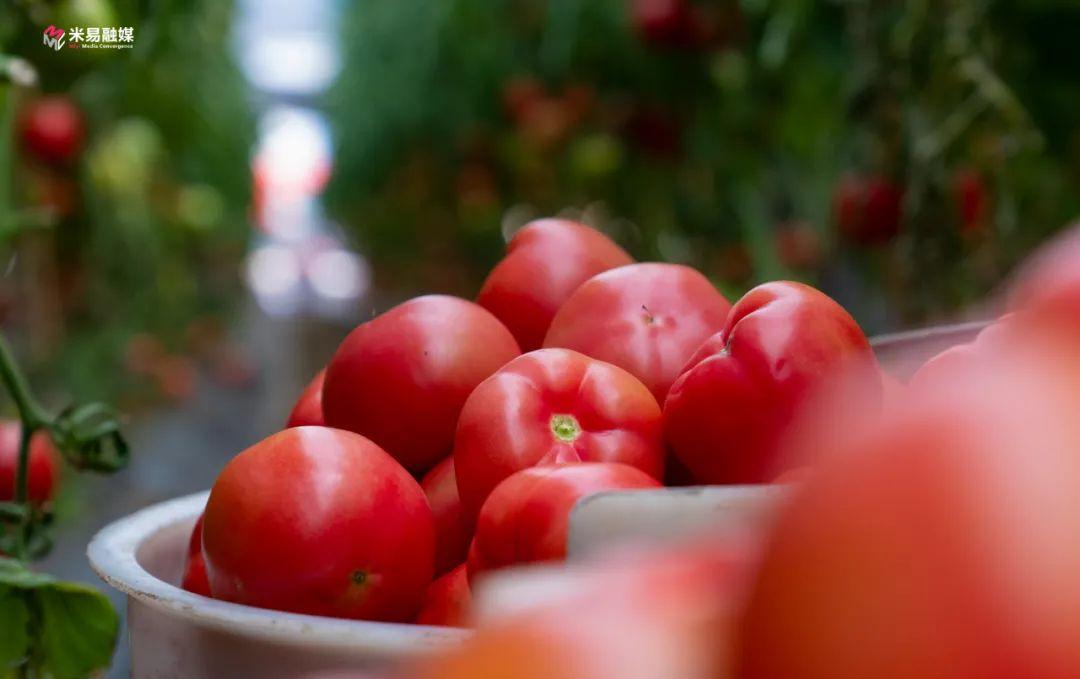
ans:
(174, 633)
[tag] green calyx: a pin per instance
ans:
(565, 428)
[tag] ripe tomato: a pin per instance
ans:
(452, 535)
(320, 521)
(526, 518)
(447, 600)
(44, 471)
(53, 129)
(939, 544)
(645, 318)
(194, 576)
(728, 414)
(553, 406)
(308, 408)
(868, 210)
(401, 378)
(545, 262)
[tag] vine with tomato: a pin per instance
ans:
(903, 155)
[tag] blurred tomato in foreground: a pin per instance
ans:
(447, 600)
(545, 263)
(308, 408)
(401, 378)
(194, 574)
(451, 533)
(636, 614)
(44, 473)
(1048, 285)
(52, 129)
(526, 519)
(941, 542)
(648, 319)
(732, 409)
(320, 521)
(553, 406)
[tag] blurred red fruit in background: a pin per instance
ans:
(52, 129)
(44, 473)
(868, 210)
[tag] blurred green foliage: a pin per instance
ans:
(720, 146)
(150, 222)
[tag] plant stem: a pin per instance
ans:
(32, 418)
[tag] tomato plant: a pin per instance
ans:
(44, 464)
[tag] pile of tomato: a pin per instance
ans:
(928, 529)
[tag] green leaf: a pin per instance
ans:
(14, 637)
(77, 624)
(79, 629)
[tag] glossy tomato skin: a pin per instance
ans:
(308, 408)
(402, 378)
(526, 519)
(553, 406)
(452, 535)
(545, 263)
(447, 600)
(53, 129)
(937, 544)
(44, 464)
(320, 521)
(645, 318)
(727, 415)
(194, 577)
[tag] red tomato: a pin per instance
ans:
(401, 378)
(308, 408)
(868, 210)
(320, 521)
(553, 406)
(940, 544)
(452, 535)
(729, 412)
(194, 577)
(972, 200)
(545, 262)
(645, 318)
(44, 471)
(52, 129)
(526, 518)
(447, 600)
